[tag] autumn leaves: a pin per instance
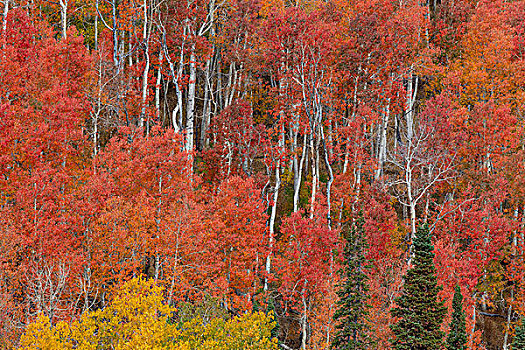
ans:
(221, 147)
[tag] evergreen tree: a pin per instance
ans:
(352, 308)
(519, 339)
(457, 336)
(419, 312)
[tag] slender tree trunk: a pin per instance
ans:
(234, 84)
(157, 86)
(176, 75)
(509, 318)
(304, 320)
(158, 229)
(273, 216)
(412, 208)
(130, 50)
(314, 175)
(114, 30)
(114, 14)
(190, 109)
(4, 18)
(97, 109)
(63, 17)
(298, 173)
(85, 285)
(473, 329)
(513, 252)
(220, 104)
(413, 219)
(382, 144)
(330, 180)
(95, 132)
(411, 99)
(96, 31)
(145, 38)
(207, 102)
(229, 86)
(178, 110)
(347, 156)
(410, 197)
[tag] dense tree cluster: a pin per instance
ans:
(139, 319)
(225, 148)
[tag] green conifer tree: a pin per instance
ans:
(352, 308)
(418, 310)
(519, 339)
(457, 336)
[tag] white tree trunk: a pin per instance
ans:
(411, 200)
(206, 108)
(383, 141)
(96, 31)
(507, 325)
(330, 180)
(4, 19)
(298, 173)
(157, 86)
(146, 67)
(304, 320)
(176, 114)
(63, 17)
(314, 176)
(411, 99)
(190, 107)
(273, 215)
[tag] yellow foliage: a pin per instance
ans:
(250, 331)
(41, 335)
(138, 319)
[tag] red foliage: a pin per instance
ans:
(42, 108)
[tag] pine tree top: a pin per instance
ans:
(418, 309)
(519, 339)
(351, 330)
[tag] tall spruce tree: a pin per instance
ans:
(352, 308)
(418, 309)
(457, 336)
(518, 343)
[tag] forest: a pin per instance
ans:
(262, 174)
